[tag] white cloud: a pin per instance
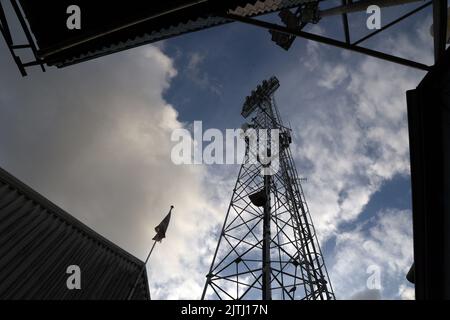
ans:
(196, 74)
(95, 139)
(406, 293)
(387, 245)
(333, 76)
(368, 294)
(351, 136)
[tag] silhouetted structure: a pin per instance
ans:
(429, 136)
(108, 27)
(39, 241)
(112, 26)
(268, 246)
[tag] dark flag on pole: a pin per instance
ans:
(162, 227)
(160, 234)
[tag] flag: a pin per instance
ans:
(162, 227)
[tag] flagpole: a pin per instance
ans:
(142, 271)
(157, 238)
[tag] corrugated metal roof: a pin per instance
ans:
(38, 241)
(51, 35)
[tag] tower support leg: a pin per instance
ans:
(266, 272)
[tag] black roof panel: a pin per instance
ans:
(111, 26)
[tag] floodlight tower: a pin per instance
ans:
(268, 247)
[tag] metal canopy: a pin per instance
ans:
(122, 27)
(109, 27)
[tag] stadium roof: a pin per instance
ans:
(112, 26)
(38, 241)
(107, 27)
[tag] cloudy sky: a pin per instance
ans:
(95, 139)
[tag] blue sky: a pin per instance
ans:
(95, 139)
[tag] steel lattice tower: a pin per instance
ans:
(268, 246)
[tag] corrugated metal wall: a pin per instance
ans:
(38, 241)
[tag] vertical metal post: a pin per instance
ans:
(140, 273)
(266, 271)
(345, 24)
(439, 28)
